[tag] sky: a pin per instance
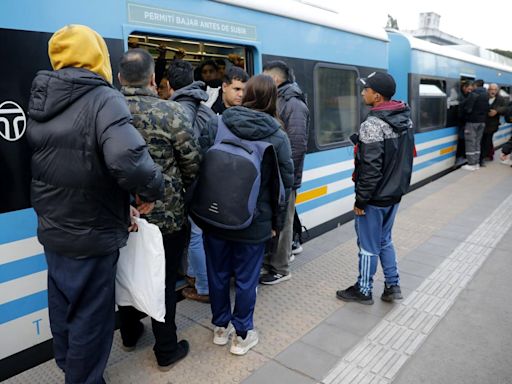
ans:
(471, 20)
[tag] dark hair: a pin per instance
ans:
(220, 62)
(209, 62)
(282, 67)
(180, 74)
(260, 94)
(136, 67)
(479, 83)
(235, 73)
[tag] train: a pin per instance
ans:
(327, 54)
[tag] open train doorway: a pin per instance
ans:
(210, 60)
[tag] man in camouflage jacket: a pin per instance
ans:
(168, 134)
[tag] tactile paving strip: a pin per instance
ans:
(380, 355)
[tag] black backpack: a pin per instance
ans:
(228, 185)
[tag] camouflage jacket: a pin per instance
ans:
(168, 134)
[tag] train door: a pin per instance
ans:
(199, 53)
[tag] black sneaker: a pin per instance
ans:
(391, 293)
(354, 294)
(181, 352)
(274, 278)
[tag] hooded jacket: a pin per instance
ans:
(253, 125)
(191, 98)
(79, 46)
(383, 165)
(86, 160)
(476, 106)
(293, 111)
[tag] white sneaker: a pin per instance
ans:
(296, 248)
(506, 162)
(291, 258)
(221, 334)
(241, 346)
(468, 167)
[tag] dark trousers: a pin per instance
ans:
(166, 340)
(461, 143)
(81, 303)
(486, 149)
(223, 259)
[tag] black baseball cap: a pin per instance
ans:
(380, 82)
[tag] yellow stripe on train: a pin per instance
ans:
(311, 194)
(446, 150)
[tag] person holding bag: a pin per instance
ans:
(86, 161)
(168, 133)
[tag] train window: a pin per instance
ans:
(505, 94)
(164, 49)
(336, 103)
(433, 107)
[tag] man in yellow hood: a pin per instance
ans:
(80, 47)
(87, 159)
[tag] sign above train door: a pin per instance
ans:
(169, 19)
(12, 121)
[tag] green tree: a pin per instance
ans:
(392, 23)
(502, 52)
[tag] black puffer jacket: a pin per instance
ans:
(476, 106)
(294, 113)
(253, 125)
(87, 158)
(190, 98)
(384, 155)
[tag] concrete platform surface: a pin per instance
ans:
(454, 243)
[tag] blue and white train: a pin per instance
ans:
(327, 55)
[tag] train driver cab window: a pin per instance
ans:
(336, 104)
(433, 107)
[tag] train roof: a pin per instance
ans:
(304, 12)
(444, 50)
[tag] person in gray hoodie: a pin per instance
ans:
(191, 95)
(294, 113)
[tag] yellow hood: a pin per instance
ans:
(80, 46)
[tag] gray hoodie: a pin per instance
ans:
(192, 98)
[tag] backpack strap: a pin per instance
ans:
(223, 132)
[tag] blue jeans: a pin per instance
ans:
(227, 258)
(374, 241)
(197, 259)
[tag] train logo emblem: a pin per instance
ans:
(12, 121)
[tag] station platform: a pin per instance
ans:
(453, 237)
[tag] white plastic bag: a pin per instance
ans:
(140, 279)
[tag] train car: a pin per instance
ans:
(328, 56)
(429, 78)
